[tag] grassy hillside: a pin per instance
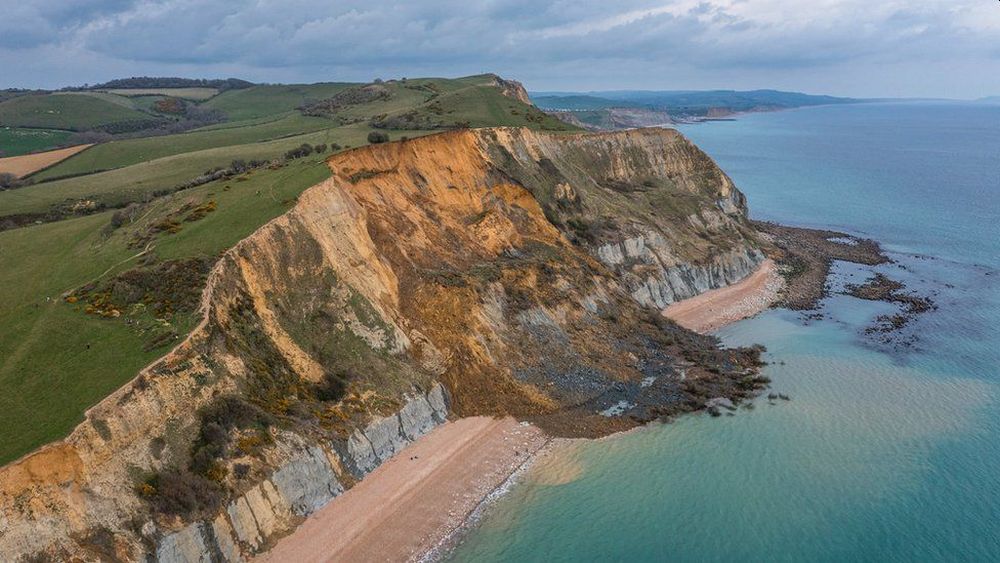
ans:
(56, 359)
(266, 99)
(71, 111)
(17, 141)
(117, 188)
(116, 154)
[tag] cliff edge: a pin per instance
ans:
(493, 271)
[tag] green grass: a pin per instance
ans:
(265, 100)
(15, 141)
(117, 154)
(134, 183)
(55, 360)
(76, 112)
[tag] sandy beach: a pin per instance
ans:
(417, 499)
(716, 308)
(411, 504)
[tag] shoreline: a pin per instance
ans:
(432, 493)
(415, 504)
(453, 537)
(716, 308)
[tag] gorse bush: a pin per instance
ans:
(218, 420)
(179, 493)
(376, 137)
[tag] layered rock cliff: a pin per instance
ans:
(499, 271)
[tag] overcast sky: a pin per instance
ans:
(946, 48)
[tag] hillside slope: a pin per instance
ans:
(140, 220)
(73, 111)
(522, 270)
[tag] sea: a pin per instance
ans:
(889, 448)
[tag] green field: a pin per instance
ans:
(266, 100)
(17, 141)
(117, 154)
(71, 111)
(55, 359)
(196, 94)
(134, 183)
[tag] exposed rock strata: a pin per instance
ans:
(484, 260)
(296, 489)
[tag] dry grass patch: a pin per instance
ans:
(197, 94)
(23, 165)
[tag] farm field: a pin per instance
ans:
(70, 111)
(116, 154)
(134, 183)
(270, 99)
(16, 141)
(197, 94)
(26, 164)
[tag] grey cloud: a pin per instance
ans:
(368, 38)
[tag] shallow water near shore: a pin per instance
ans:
(887, 450)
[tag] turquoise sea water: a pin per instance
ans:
(887, 451)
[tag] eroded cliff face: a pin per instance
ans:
(495, 271)
(513, 89)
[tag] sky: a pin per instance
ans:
(863, 48)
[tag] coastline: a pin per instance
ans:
(430, 494)
(710, 311)
(433, 492)
(413, 505)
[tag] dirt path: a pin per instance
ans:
(413, 501)
(30, 163)
(716, 308)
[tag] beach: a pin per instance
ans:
(413, 504)
(714, 309)
(417, 499)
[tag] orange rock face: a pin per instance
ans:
(509, 265)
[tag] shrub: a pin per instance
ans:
(217, 420)
(376, 137)
(333, 386)
(303, 150)
(7, 181)
(320, 148)
(582, 229)
(177, 493)
(126, 215)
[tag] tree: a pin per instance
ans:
(376, 137)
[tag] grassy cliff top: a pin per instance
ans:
(122, 212)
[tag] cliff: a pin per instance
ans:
(497, 271)
(511, 89)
